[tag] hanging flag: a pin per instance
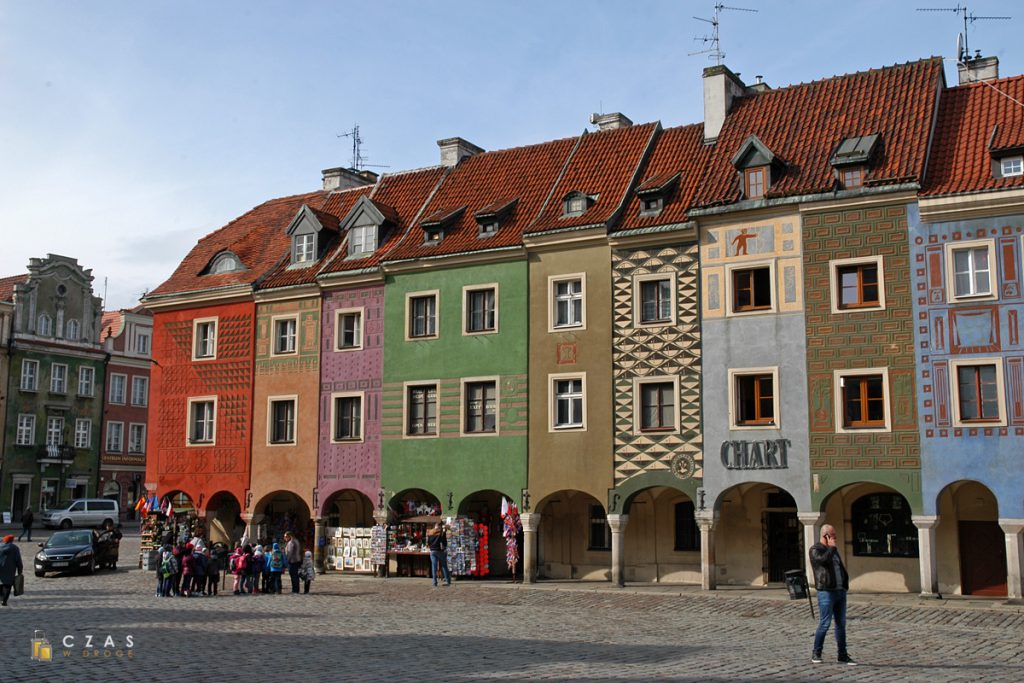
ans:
(504, 507)
(170, 508)
(140, 503)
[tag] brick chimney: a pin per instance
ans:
(346, 178)
(610, 121)
(454, 150)
(978, 68)
(721, 87)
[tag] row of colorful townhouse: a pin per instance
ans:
(680, 350)
(75, 391)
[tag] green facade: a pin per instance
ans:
(450, 465)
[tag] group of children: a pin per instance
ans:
(189, 570)
(259, 571)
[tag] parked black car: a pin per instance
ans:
(79, 550)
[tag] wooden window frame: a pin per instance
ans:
(410, 302)
(955, 365)
(749, 174)
(638, 299)
(272, 402)
(467, 295)
(335, 416)
(407, 402)
(467, 384)
(732, 270)
(638, 404)
(839, 381)
(836, 266)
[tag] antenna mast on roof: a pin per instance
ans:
(357, 145)
(715, 51)
(963, 51)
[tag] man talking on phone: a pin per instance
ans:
(832, 582)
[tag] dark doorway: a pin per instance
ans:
(782, 550)
(982, 559)
(20, 501)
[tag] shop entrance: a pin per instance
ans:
(782, 541)
(224, 519)
(484, 509)
(279, 512)
(20, 500)
(968, 518)
(982, 558)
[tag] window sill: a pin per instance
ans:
(352, 439)
(348, 348)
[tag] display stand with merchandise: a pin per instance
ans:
(349, 550)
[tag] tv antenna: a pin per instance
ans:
(715, 50)
(963, 51)
(357, 145)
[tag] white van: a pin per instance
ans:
(82, 512)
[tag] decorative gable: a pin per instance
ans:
(311, 232)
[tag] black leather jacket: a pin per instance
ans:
(822, 564)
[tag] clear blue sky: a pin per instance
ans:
(130, 129)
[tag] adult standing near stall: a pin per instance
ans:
(293, 552)
(437, 543)
(26, 524)
(10, 566)
(832, 582)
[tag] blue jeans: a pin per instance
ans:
(439, 557)
(831, 604)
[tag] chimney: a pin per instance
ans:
(610, 121)
(721, 87)
(977, 69)
(454, 150)
(759, 87)
(346, 178)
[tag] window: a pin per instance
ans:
(433, 236)
(136, 439)
(55, 431)
(862, 403)
(600, 537)
(567, 302)
(204, 336)
(576, 204)
(651, 206)
(969, 265)
(29, 375)
(348, 330)
(282, 421)
(857, 284)
(140, 391)
(1011, 166)
(362, 240)
(657, 411)
(852, 177)
(45, 327)
(421, 410)
(481, 312)
(754, 399)
(882, 526)
(754, 182)
(224, 263)
(422, 315)
(142, 343)
(83, 432)
(118, 387)
(480, 407)
(86, 380)
(26, 434)
(115, 437)
(752, 289)
(284, 335)
(655, 297)
(568, 399)
(489, 228)
(58, 378)
(978, 391)
(72, 328)
(348, 417)
(304, 248)
(201, 421)
(687, 533)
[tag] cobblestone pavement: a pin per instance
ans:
(364, 629)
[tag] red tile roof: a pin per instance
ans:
(803, 124)
(484, 183)
(111, 324)
(677, 151)
(975, 120)
(7, 286)
(603, 164)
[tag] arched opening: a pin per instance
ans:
(112, 491)
(484, 509)
(181, 503)
(224, 519)
(971, 546)
(410, 512)
(662, 540)
(758, 537)
(348, 520)
(279, 512)
(349, 509)
(574, 540)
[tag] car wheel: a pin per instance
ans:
(65, 524)
(40, 574)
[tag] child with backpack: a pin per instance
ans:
(256, 568)
(275, 566)
(199, 575)
(237, 566)
(307, 572)
(214, 562)
(168, 570)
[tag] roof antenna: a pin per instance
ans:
(357, 156)
(715, 51)
(963, 50)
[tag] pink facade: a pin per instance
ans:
(359, 371)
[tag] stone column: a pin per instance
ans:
(531, 522)
(708, 569)
(812, 522)
(318, 550)
(618, 525)
(247, 534)
(926, 554)
(1014, 558)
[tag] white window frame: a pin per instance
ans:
(195, 338)
(32, 375)
(73, 330)
(304, 248)
(188, 422)
(54, 434)
(83, 432)
(133, 426)
(26, 430)
(553, 402)
(44, 327)
(954, 390)
(462, 405)
(638, 281)
(366, 234)
(84, 370)
(123, 399)
(409, 296)
(553, 281)
(406, 386)
(733, 394)
(1015, 165)
(835, 286)
(730, 294)
(142, 380)
(638, 383)
(143, 343)
(338, 315)
(274, 322)
(271, 400)
(466, 291)
(108, 447)
(951, 247)
(361, 395)
(837, 399)
(63, 374)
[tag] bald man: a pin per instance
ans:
(832, 582)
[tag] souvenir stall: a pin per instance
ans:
(349, 550)
(406, 550)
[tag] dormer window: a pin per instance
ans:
(852, 177)
(576, 204)
(312, 232)
(852, 159)
(362, 240)
(651, 206)
(758, 167)
(1011, 166)
(432, 236)
(304, 248)
(488, 229)
(439, 222)
(754, 182)
(655, 191)
(490, 218)
(224, 262)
